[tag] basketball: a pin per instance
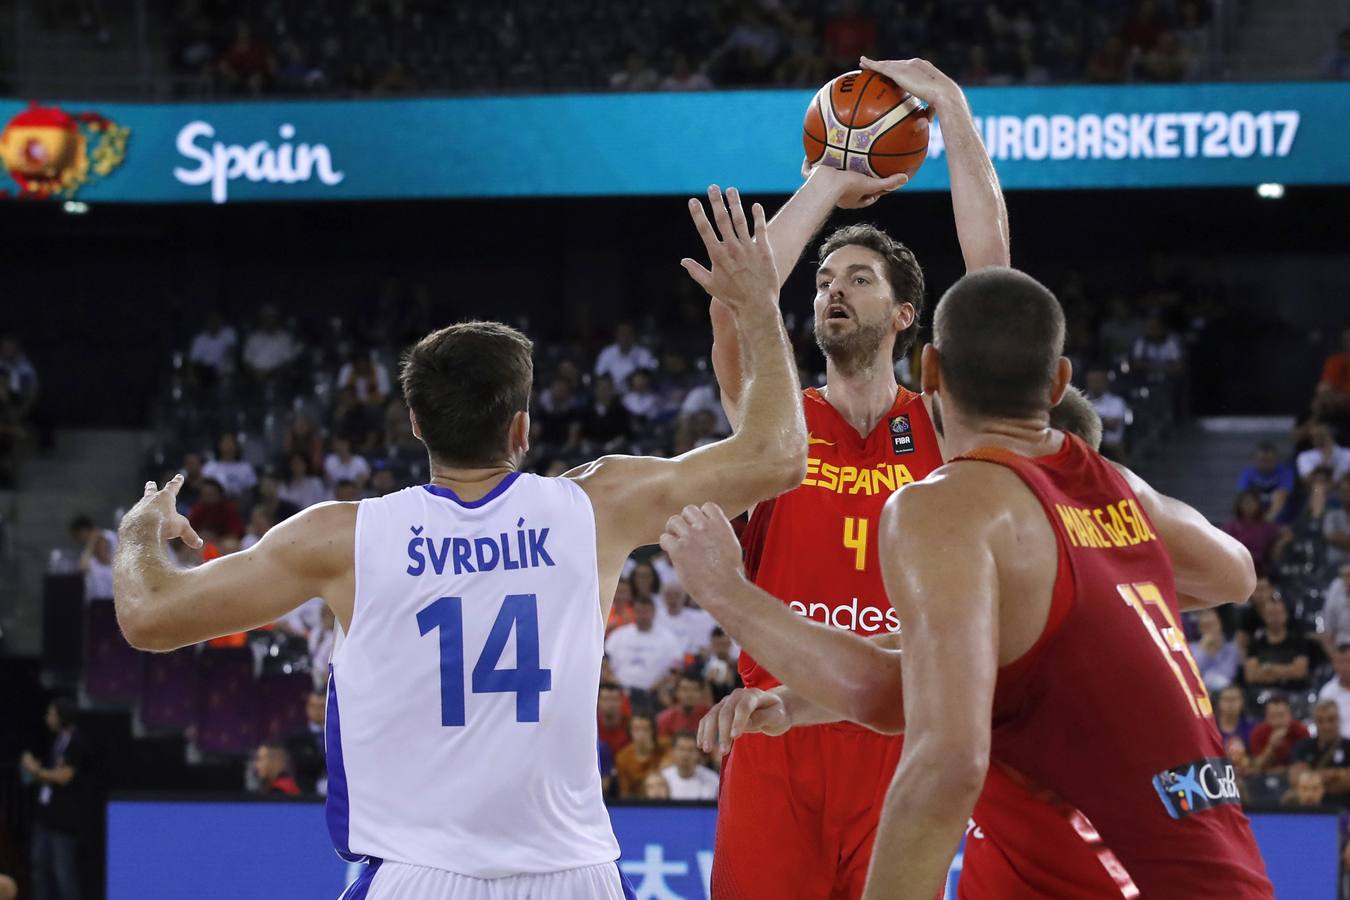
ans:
(864, 122)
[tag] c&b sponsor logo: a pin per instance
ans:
(1197, 786)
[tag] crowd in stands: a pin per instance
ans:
(18, 399)
(392, 47)
(1280, 669)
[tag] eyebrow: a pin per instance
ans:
(866, 267)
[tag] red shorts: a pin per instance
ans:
(1022, 846)
(797, 814)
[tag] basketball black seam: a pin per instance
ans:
(823, 140)
(853, 113)
(873, 153)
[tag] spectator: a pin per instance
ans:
(1193, 34)
(191, 489)
(1110, 63)
(636, 75)
(1336, 527)
(655, 787)
(1274, 739)
(641, 401)
(1168, 61)
(1158, 351)
(216, 513)
(644, 755)
(306, 747)
(718, 665)
(621, 610)
(623, 357)
(1280, 655)
(606, 424)
(1113, 411)
(1307, 791)
(848, 35)
(559, 414)
(1143, 29)
(213, 349)
(646, 580)
(1272, 480)
(612, 717)
(1337, 65)
(270, 348)
(692, 625)
(259, 523)
(304, 438)
(1257, 533)
(1324, 453)
(643, 654)
(688, 709)
(382, 480)
(347, 491)
(1120, 331)
(364, 375)
(269, 499)
(1333, 391)
(1230, 714)
(16, 368)
(321, 642)
(1327, 755)
(247, 66)
(682, 78)
(1337, 690)
(1217, 657)
(344, 465)
(234, 474)
(302, 487)
(1336, 614)
(60, 810)
(272, 769)
(688, 779)
(96, 556)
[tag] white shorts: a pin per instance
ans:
(401, 881)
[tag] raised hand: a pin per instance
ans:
(743, 711)
(743, 271)
(704, 550)
(854, 190)
(922, 79)
(163, 504)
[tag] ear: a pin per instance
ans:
(1063, 375)
(412, 418)
(903, 316)
(930, 379)
(519, 433)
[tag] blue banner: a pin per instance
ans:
(245, 850)
(627, 144)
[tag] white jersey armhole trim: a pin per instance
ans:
(346, 633)
(595, 557)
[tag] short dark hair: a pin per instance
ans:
(465, 383)
(1278, 699)
(212, 482)
(902, 270)
(611, 686)
(683, 735)
(1075, 414)
(999, 334)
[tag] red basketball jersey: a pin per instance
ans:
(1108, 712)
(815, 547)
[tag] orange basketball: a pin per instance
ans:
(864, 122)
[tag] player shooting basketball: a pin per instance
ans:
(1040, 590)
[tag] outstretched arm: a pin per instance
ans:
(790, 230)
(1212, 567)
(162, 607)
(857, 678)
(633, 496)
(977, 199)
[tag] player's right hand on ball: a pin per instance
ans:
(743, 711)
(743, 271)
(854, 190)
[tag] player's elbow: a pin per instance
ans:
(775, 466)
(140, 627)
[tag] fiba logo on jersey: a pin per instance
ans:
(902, 441)
(1197, 786)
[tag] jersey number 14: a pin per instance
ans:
(527, 681)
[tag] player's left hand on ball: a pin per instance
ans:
(163, 503)
(704, 550)
(854, 190)
(921, 78)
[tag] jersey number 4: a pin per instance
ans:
(527, 681)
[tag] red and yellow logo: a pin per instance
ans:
(52, 153)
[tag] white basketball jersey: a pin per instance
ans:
(461, 725)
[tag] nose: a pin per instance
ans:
(836, 292)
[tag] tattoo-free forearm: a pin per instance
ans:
(826, 669)
(977, 199)
(143, 573)
(772, 423)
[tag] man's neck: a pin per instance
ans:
(688, 774)
(470, 484)
(1025, 437)
(1276, 635)
(863, 396)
